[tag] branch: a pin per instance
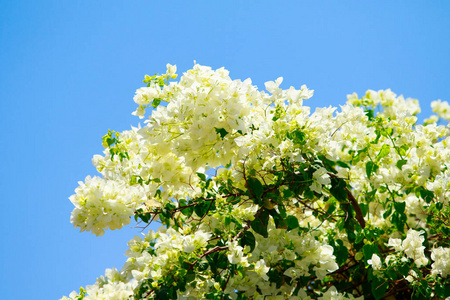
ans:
(351, 198)
(359, 215)
(213, 250)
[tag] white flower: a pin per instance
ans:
(261, 269)
(396, 243)
(442, 108)
(236, 254)
(375, 261)
(188, 244)
(390, 258)
(321, 178)
(332, 294)
(441, 258)
(412, 245)
(412, 275)
(273, 86)
(171, 70)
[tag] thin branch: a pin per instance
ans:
(354, 203)
(359, 215)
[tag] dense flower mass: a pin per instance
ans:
(260, 198)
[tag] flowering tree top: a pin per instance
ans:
(258, 198)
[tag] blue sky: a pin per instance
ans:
(69, 69)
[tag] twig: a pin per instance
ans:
(359, 215)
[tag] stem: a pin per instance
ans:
(359, 215)
(354, 203)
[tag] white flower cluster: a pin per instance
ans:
(258, 195)
(442, 109)
(441, 258)
(111, 286)
(101, 203)
(412, 246)
(165, 253)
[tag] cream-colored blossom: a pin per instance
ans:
(441, 261)
(375, 262)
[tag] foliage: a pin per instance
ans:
(258, 198)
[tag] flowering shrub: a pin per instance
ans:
(258, 198)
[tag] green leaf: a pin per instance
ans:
(279, 221)
(364, 208)
(190, 277)
(423, 291)
(221, 260)
(338, 189)
(388, 212)
(201, 208)
(399, 220)
(442, 290)
(385, 150)
(371, 168)
(248, 239)
(370, 195)
(212, 262)
(359, 237)
(288, 194)
(341, 252)
(403, 269)
(401, 163)
(387, 131)
(145, 217)
(342, 164)
(275, 276)
(234, 200)
(369, 250)
(187, 211)
(202, 266)
(369, 113)
(379, 287)
(362, 154)
(382, 189)
(259, 227)
(221, 131)
(255, 187)
(135, 179)
(350, 224)
(162, 294)
(259, 224)
(331, 208)
(308, 194)
(282, 210)
(373, 232)
(292, 222)
(297, 136)
(402, 150)
(201, 176)
(156, 102)
(399, 207)
(170, 206)
(426, 194)
(227, 221)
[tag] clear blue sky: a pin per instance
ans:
(69, 69)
